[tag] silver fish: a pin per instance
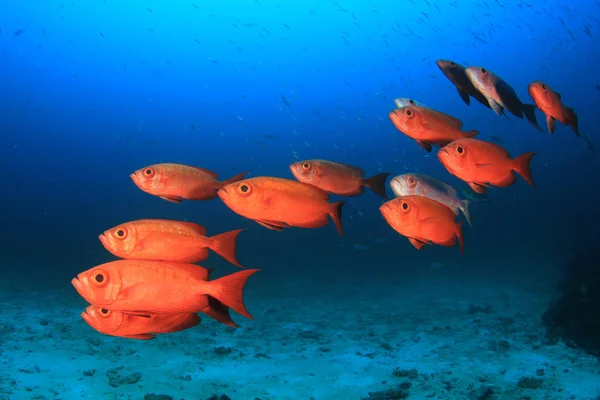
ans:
(405, 102)
(423, 185)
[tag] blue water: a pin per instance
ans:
(93, 90)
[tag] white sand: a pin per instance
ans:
(313, 342)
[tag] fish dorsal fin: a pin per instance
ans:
(206, 171)
(448, 119)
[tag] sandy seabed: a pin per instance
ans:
(427, 339)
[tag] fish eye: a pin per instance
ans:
(99, 278)
(149, 172)
(408, 112)
(452, 63)
(483, 71)
(244, 189)
(104, 311)
(404, 205)
(460, 150)
(411, 101)
(306, 166)
(411, 181)
(544, 86)
(121, 233)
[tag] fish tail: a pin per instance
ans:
(461, 240)
(377, 184)
(523, 166)
(224, 244)
(471, 134)
(464, 207)
(529, 111)
(229, 290)
(336, 216)
(573, 120)
(219, 312)
(236, 178)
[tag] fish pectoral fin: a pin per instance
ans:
(477, 188)
(465, 96)
(498, 109)
(171, 199)
(482, 165)
(551, 124)
(143, 314)
(417, 243)
(426, 146)
(273, 225)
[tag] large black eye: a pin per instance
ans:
(104, 311)
(148, 172)
(459, 149)
(405, 206)
(244, 188)
(411, 180)
(306, 165)
(412, 102)
(99, 278)
(452, 63)
(483, 71)
(408, 113)
(543, 86)
(120, 233)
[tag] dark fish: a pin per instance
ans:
(457, 75)
(285, 101)
(500, 95)
(18, 32)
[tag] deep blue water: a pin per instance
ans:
(93, 90)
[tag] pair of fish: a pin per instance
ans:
(484, 164)
(149, 297)
(176, 182)
(428, 127)
(168, 240)
(278, 203)
(413, 184)
(488, 89)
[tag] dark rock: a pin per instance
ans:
(528, 382)
(153, 396)
(574, 317)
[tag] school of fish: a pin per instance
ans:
(156, 286)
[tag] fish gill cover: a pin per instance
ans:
(220, 100)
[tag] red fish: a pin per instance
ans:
(167, 240)
(550, 103)
(336, 178)
(278, 203)
(176, 182)
(483, 164)
(423, 221)
(142, 327)
(428, 127)
(141, 287)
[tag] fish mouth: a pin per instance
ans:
(396, 186)
(222, 193)
(103, 239)
(86, 317)
(79, 287)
